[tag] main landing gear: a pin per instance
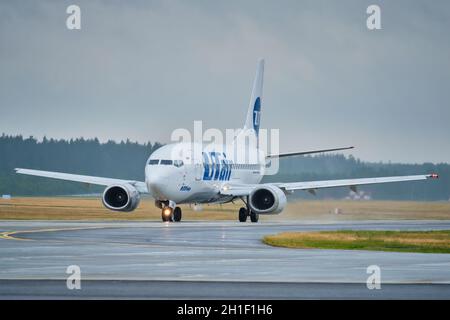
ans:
(169, 215)
(246, 212)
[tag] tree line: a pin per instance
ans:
(126, 160)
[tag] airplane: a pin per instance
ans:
(174, 174)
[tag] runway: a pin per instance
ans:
(206, 260)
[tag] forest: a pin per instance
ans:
(126, 159)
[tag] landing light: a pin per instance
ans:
(167, 211)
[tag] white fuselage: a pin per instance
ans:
(192, 173)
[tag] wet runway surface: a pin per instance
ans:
(207, 260)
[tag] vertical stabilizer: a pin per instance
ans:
(254, 109)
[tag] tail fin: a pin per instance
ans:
(254, 109)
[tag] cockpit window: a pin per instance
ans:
(178, 163)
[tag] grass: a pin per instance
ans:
(398, 241)
(79, 208)
(75, 208)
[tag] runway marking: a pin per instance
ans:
(8, 235)
(12, 235)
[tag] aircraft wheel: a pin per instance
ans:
(254, 217)
(243, 214)
(177, 214)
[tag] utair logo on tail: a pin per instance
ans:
(209, 176)
(256, 114)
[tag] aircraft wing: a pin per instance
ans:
(140, 186)
(309, 185)
(244, 190)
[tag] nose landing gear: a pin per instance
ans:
(169, 215)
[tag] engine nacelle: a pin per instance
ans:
(123, 197)
(267, 199)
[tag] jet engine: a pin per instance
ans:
(121, 198)
(267, 199)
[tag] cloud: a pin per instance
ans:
(139, 70)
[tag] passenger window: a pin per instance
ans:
(178, 163)
(166, 162)
(153, 161)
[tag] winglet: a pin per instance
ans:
(433, 176)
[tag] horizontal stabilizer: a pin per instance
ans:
(301, 153)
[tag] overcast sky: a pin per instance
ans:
(140, 69)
